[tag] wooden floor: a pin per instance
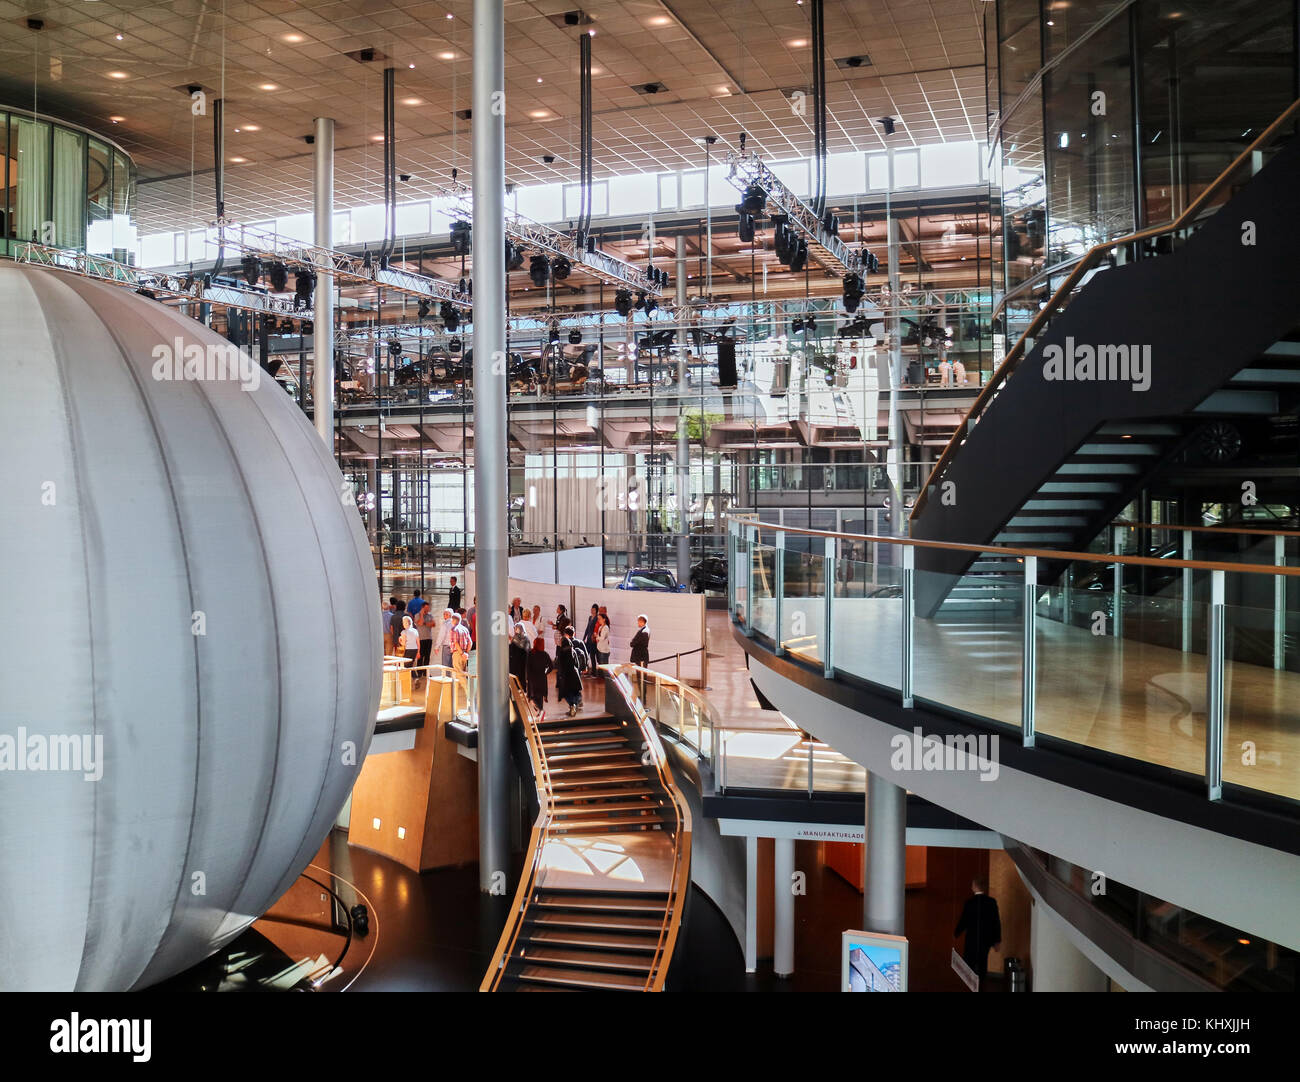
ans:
(1118, 695)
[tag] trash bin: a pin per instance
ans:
(1017, 978)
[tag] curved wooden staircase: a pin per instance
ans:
(607, 875)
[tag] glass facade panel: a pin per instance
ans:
(69, 190)
(1089, 144)
(99, 206)
(29, 146)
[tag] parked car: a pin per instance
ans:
(650, 578)
(709, 574)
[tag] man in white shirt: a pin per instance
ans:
(443, 642)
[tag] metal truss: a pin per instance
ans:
(173, 286)
(269, 245)
(534, 235)
(826, 248)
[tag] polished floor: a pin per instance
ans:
(1117, 695)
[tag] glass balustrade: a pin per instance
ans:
(1191, 666)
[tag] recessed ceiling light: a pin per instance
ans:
(292, 39)
(445, 56)
(117, 75)
(252, 127)
(539, 78)
(410, 65)
(119, 37)
(659, 20)
(238, 161)
(376, 138)
(450, 15)
(540, 114)
(798, 43)
(412, 101)
(117, 119)
(269, 86)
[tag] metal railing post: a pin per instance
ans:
(909, 613)
(1117, 588)
(1029, 654)
(751, 536)
(1279, 604)
(810, 768)
(1214, 665)
(1187, 593)
(778, 588)
(828, 575)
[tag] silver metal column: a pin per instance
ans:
(783, 907)
(1187, 593)
(683, 440)
(905, 674)
(751, 904)
(491, 481)
(778, 592)
(828, 584)
(886, 857)
(322, 380)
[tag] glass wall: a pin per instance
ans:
(63, 187)
(1111, 117)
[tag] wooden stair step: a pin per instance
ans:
(608, 805)
(609, 922)
(579, 730)
(579, 978)
(550, 746)
(570, 784)
(567, 770)
(562, 720)
(595, 755)
(586, 959)
(628, 902)
(604, 824)
(569, 797)
(591, 939)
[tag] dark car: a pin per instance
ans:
(709, 574)
(650, 578)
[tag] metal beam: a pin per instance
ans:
(322, 347)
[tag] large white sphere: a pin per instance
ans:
(138, 511)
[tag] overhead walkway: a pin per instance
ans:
(607, 874)
(1151, 340)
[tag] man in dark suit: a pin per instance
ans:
(983, 927)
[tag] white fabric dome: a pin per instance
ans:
(140, 510)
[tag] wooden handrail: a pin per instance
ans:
(536, 842)
(1042, 554)
(1090, 260)
(669, 930)
(1251, 531)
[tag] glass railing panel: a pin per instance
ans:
(967, 653)
(762, 585)
(1261, 694)
(867, 615)
(1112, 672)
(803, 603)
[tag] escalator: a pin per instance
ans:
(1147, 357)
(602, 897)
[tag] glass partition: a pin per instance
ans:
(1125, 651)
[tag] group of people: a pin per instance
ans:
(414, 631)
(575, 656)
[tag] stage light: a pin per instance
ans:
(449, 315)
(514, 256)
(799, 255)
(560, 269)
(871, 261)
(278, 275)
(422, 312)
(754, 201)
(460, 236)
(887, 122)
(650, 304)
(394, 348)
(539, 270)
(744, 225)
(252, 269)
(853, 292)
(454, 345)
(304, 283)
(623, 302)
(575, 337)
(640, 302)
